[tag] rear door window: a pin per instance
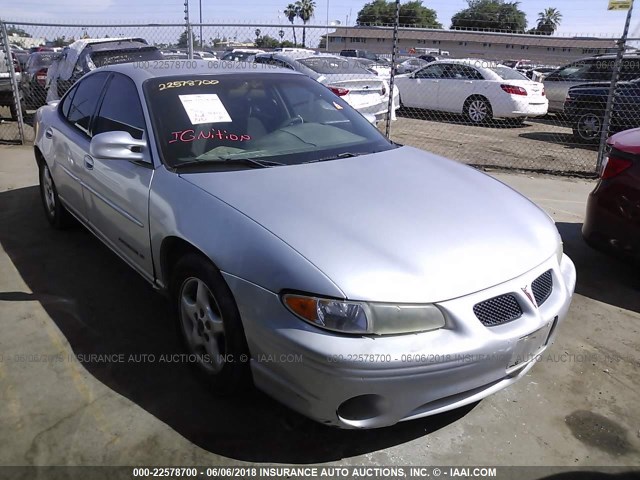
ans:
(432, 71)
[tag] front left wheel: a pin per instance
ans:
(210, 324)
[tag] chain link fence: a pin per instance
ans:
(509, 101)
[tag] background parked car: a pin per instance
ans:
(476, 88)
(411, 65)
(585, 106)
(241, 54)
(346, 77)
(34, 79)
(538, 73)
(6, 92)
(587, 70)
(85, 55)
(360, 54)
(612, 222)
(518, 64)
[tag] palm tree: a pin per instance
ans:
(305, 12)
(291, 12)
(549, 20)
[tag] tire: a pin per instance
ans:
(587, 127)
(209, 325)
(56, 213)
(14, 112)
(478, 110)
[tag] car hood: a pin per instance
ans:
(401, 226)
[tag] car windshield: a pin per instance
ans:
(112, 57)
(331, 65)
(507, 73)
(245, 119)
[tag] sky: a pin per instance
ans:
(580, 17)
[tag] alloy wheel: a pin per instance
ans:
(202, 324)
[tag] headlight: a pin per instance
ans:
(364, 318)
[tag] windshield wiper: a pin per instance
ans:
(259, 163)
(335, 157)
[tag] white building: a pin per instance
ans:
(556, 50)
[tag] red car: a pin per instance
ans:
(613, 209)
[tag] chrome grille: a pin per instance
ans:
(542, 287)
(498, 310)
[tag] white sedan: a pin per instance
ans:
(479, 89)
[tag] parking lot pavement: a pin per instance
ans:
(545, 144)
(82, 380)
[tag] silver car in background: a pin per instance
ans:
(359, 282)
(361, 87)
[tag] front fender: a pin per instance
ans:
(235, 243)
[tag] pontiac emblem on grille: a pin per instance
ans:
(527, 291)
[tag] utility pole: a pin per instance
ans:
(189, 32)
(394, 55)
(201, 42)
(622, 44)
(326, 38)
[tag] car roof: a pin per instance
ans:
(142, 71)
(120, 45)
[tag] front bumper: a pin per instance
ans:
(370, 382)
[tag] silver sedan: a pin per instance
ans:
(359, 282)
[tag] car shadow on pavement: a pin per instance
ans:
(600, 276)
(455, 119)
(565, 139)
(103, 307)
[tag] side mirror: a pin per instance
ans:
(117, 146)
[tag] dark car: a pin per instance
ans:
(585, 107)
(587, 70)
(364, 54)
(612, 222)
(6, 90)
(34, 79)
(431, 58)
(86, 55)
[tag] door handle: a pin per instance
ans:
(468, 81)
(48, 133)
(88, 162)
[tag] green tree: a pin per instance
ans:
(291, 12)
(13, 30)
(59, 42)
(381, 12)
(183, 40)
(549, 21)
(305, 9)
(490, 15)
(267, 41)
